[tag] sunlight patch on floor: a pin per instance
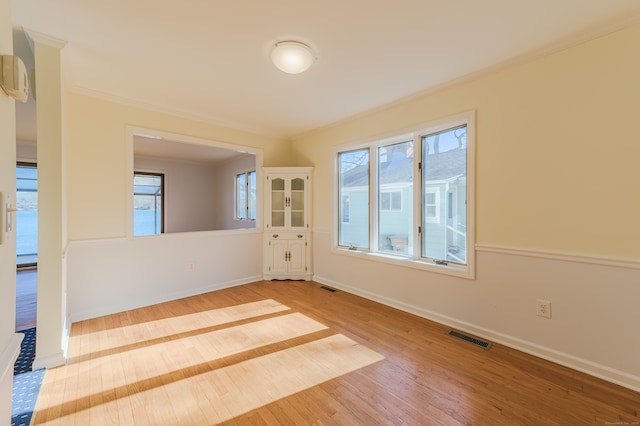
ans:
(237, 389)
(196, 375)
(150, 330)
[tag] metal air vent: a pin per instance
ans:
(469, 339)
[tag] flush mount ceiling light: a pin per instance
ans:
(292, 57)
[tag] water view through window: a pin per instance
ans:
(148, 203)
(27, 214)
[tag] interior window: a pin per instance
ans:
(246, 196)
(201, 188)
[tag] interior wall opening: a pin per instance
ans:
(27, 215)
(199, 188)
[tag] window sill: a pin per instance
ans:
(461, 271)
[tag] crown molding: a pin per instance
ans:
(35, 36)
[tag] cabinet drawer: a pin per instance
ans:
(285, 235)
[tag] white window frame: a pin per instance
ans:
(414, 261)
(247, 201)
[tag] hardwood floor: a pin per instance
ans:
(26, 282)
(292, 353)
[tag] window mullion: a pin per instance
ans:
(246, 198)
(417, 196)
(373, 199)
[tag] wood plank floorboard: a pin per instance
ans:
(26, 285)
(288, 352)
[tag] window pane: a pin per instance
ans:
(252, 195)
(241, 196)
(147, 204)
(354, 193)
(395, 176)
(27, 214)
(444, 177)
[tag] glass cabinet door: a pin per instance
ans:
(297, 203)
(278, 202)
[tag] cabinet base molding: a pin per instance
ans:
(288, 277)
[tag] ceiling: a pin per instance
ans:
(208, 60)
(180, 151)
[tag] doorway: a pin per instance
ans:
(26, 244)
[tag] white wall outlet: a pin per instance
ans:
(543, 308)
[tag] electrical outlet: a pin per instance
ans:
(191, 266)
(543, 308)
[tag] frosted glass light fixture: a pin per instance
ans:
(292, 57)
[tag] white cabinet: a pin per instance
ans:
(287, 245)
(286, 256)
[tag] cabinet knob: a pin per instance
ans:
(300, 235)
(275, 235)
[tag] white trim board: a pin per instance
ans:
(563, 256)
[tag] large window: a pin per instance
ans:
(410, 197)
(246, 196)
(148, 203)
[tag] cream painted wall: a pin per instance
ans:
(97, 159)
(190, 199)
(557, 207)
(109, 271)
(556, 160)
(225, 183)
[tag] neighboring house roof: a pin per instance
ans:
(446, 165)
(440, 166)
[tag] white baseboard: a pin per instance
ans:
(49, 361)
(601, 371)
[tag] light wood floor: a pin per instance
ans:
(291, 353)
(26, 283)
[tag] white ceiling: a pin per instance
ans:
(180, 151)
(207, 59)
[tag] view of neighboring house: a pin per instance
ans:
(443, 200)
